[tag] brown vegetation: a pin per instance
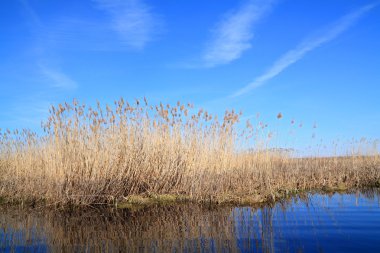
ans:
(94, 155)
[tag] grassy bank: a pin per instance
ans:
(99, 155)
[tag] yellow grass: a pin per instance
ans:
(89, 156)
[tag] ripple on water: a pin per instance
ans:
(316, 223)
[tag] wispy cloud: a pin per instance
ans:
(32, 15)
(125, 25)
(308, 45)
(53, 75)
(133, 20)
(57, 78)
(232, 36)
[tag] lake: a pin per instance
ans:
(311, 223)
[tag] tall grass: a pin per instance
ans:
(103, 155)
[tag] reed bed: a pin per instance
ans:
(104, 155)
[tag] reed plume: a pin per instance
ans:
(90, 155)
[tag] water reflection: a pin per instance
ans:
(314, 223)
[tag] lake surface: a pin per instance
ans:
(313, 223)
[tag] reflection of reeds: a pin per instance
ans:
(95, 155)
(182, 228)
(177, 228)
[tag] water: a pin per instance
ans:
(313, 223)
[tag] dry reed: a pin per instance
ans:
(102, 155)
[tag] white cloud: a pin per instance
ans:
(32, 15)
(308, 45)
(232, 36)
(54, 76)
(57, 78)
(133, 20)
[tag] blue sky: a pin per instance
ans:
(316, 61)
